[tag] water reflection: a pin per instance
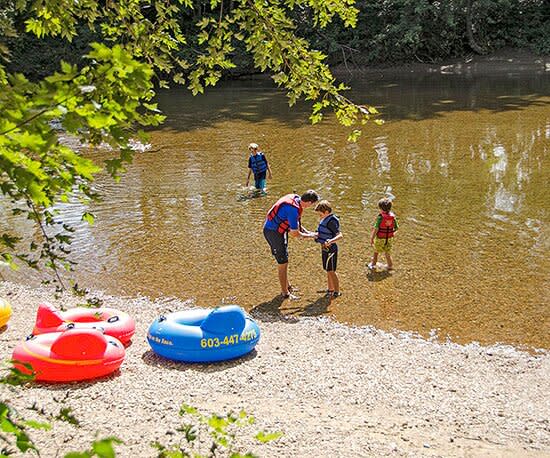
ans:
(465, 160)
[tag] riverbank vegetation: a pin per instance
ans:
(396, 31)
(386, 32)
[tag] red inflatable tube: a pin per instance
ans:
(112, 322)
(71, 355)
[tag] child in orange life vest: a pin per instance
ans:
(328, 233)
(381, 237)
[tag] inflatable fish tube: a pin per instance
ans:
(71, 355)
(112, 322)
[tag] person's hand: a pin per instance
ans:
(371, 242)
(246, 185)
(327, 244)
(269, 175)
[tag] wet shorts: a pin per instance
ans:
(380, 245)
(259, 181)
(330, 258)
(279, 245)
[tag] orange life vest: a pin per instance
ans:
(272, 214)
(387, 226)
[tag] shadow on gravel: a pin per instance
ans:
(3, 328)
(77, 385)
(378, 276)
(271, 311)
(316, 308)
(152, 359)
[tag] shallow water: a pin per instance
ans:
(466, 158)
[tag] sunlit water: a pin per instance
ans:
(467, 160)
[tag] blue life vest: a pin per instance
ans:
(258, 163)
(324, 231)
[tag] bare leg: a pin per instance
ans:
(333, 279)
(374, 259)
(389, 261)
(329, 282)
(283, 277)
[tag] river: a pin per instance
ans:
(465, 158)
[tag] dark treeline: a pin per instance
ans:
(387, 32)
(390, 31)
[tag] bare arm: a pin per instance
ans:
(372, 234)
(269, 174)
(334, 239)
(302, 233)
(248, 177)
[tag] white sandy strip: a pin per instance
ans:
(333, 390)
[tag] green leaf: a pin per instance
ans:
(104, 448)
(89, 218)
(354, 135)
(264, 437)
(66, 415)
(217, 423)
(37, 425)
(187, 409)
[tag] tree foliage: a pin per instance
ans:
(221, 431)
(104, 98)
(390, 31)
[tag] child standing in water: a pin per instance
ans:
(258, 165)
(381, 237)
(328, 233)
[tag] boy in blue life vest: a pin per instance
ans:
(284, 218)
(258, 165)
(328, 233)
(383, 229)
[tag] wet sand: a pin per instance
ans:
(332, 390)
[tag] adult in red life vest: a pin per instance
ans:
(282, 219)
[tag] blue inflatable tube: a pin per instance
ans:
(204, 335)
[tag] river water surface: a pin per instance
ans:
(466, 159)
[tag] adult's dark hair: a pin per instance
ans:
(384, 205)
(310, 196)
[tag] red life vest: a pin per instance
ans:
(272, 214)
(387, 226)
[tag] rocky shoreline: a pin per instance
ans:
(332, 390)
(504, 61)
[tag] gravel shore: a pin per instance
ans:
(331, 389)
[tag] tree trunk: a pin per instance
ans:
(470, 30)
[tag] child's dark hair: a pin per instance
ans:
(384, 205)
(310, 196)
(323, 206)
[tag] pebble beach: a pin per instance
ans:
(331, 389)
